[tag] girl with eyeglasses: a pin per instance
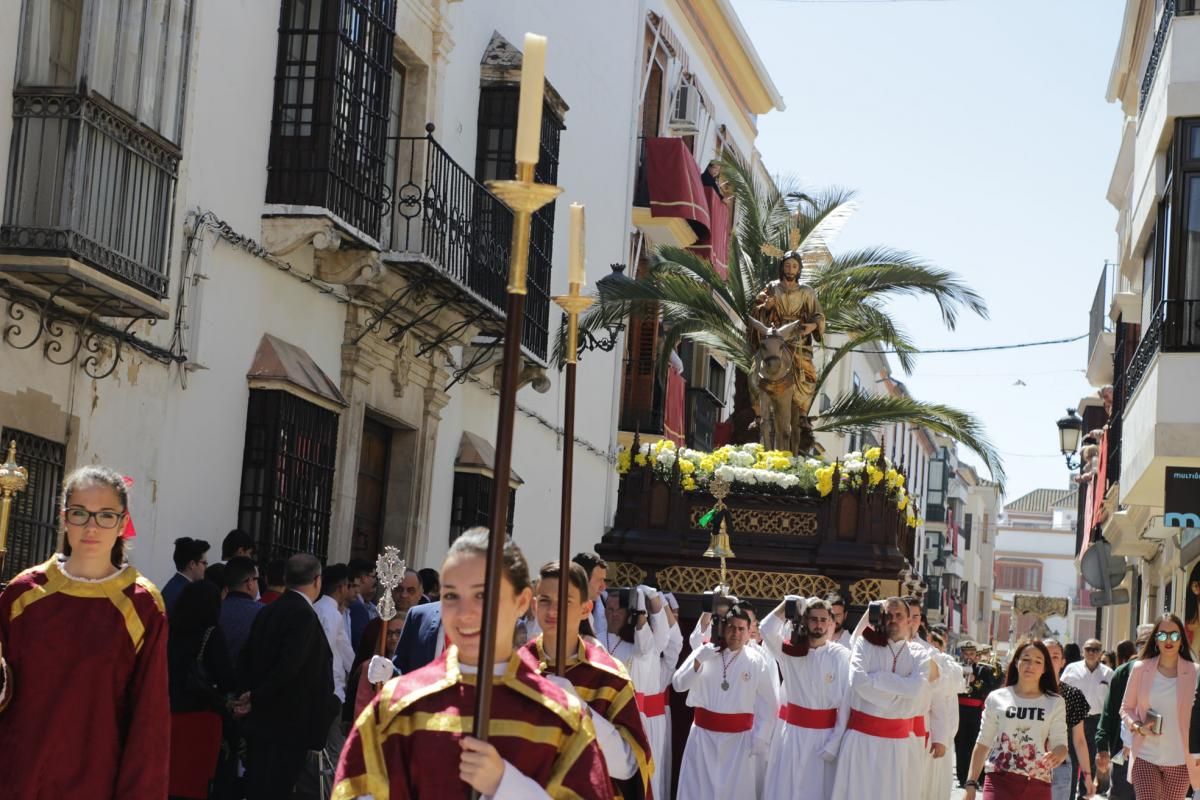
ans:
(1162, 682)
(83, 660)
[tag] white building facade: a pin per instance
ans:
(249, 258)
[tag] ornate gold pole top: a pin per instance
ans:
(13, 478)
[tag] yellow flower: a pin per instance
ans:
(902, 503)
(780, 463)
(874, 475)
(708, 464)
(640, 459)
(686, 467)
(689, 484)
(872, 454)
(623, 461)
(824, 480)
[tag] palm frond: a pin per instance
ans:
(858, 412)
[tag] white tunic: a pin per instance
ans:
(932, 714)
(889, 682)
(949, 686)
(719, 765)
(658, 729)
(802, 762)
(641, 657)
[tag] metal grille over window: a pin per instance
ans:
(33, 526)
(332, 92)
(287, 474)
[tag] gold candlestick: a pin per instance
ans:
(13, 479)
(524, 196)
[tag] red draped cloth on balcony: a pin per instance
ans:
(1095, 494)
(716, 247)
(673, 425)
(673, 181)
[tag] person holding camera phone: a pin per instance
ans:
(655, 705)
(816, 698)
(732, 689)
(890, 680)
(1158, 712)
(931, 725)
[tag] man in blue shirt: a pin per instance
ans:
(240, 606)
(191, 560)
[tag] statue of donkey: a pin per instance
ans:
(782, 417)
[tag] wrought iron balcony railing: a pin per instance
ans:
(87, 182)
(447, 219)
(1173, 327)
(1171, 9)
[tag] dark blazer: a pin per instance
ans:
(418, 640)
(171, 591)
(287, 665)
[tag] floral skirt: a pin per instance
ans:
(1012, 786)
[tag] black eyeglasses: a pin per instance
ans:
(1091, 649)
(1163, 636)
(77, 515)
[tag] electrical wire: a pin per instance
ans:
(982, 349)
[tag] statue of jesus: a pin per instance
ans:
(785, 300)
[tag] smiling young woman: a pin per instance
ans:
(83, 637)
(414, 740)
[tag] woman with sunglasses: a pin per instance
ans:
(1163, 682)
(83, 659)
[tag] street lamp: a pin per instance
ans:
(1070, 429)
(587, 341)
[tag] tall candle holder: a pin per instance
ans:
(573, 304)
(523, 196)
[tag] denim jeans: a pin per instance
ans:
(1060, 781)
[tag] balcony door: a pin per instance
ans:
(371, 502)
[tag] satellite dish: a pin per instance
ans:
(1100, 568)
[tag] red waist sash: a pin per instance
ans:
(652, 705)
(918, 726)
(970, 702)
(801, 717)
(723, 723)
(881, 727)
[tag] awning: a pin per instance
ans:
(476, 455)
(673, 181)
(715, 246)
(285, 367)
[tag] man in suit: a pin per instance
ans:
(288, 668)
(191, 560)
(422, 639)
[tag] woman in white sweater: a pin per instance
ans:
(1023, 735)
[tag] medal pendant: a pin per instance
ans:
(724, 686)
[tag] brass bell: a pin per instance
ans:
(718, 544)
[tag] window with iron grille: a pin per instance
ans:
(716, 380)
(97, 121)
(287, 474)
(33, 524)
(332, 94)
(495, 159)
(471, 503)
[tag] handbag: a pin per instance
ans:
(199, 683)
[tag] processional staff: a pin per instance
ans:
(573, 303)
(523, 196)
(13, 479)
(389, 572)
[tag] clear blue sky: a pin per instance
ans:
(977, 136)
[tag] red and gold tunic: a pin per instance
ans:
(84, 709)
(602, 682)
(404, 745)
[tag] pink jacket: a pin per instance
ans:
(1137, 702)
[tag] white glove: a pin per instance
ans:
(380, 670)
(707, 652)
(669, 597)
(648, 592)
(792, 598)
(637, 600)
(828, 757)
(760, 748)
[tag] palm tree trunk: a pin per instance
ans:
(743, 416)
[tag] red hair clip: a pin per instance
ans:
(129, 531)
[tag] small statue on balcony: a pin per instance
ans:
(786, 309)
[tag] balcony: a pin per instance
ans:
(1161, 424)
(90, 199)
(1101, 336)
(451, 229)
(669, 205)
(1159, 52)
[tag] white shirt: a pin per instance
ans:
(1018, 731)
(1165, 750)
(339, 642)
(1093, 683)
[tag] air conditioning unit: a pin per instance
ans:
(685, 111)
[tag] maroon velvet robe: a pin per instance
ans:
(602, 682)
(404, 745)
(84, 709)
